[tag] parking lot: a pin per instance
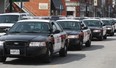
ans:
(100, 55)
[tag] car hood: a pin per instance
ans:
(108, 26)
(95, 28)
(72, 32)
(14, 37)
(6, 24)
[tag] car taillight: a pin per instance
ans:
(52, 40)
(63, 36)
(81, 35)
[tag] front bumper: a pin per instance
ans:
(96, 34)
(7, 51)
(109, 32)
(73, 41)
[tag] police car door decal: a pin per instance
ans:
(85, 35)
(57, 40)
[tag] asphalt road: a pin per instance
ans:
(102, 54)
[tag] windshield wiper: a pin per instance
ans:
(32, 32)
(67, 28)
(15, 32)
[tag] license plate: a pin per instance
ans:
(15, 51)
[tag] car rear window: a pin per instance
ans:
(70, 25)
(107, 22)
(9, 18)
(92, 23)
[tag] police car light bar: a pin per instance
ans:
(36, 17)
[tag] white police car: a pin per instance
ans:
(33, 38)
(8, 19)
(78, 33)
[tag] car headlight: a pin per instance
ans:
(109, 28)
(1, 43)
(32, 44)
(96, 30)
(73, 36)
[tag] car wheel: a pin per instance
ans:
(100, 38)
(63, 51)
(88, 43)
(105, 37)
(48, 56)
(112, 34)
(2, 59)
(80, 45)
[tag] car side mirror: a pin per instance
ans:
(51, 30)
(85, 27)
(52, 23)
(82, 25)
(6, 29)
(57, 31)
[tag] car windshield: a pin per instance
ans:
(107, 22)
(70, 25)
(30, 27)
(114, 20)
(8, 18)
(93, 23)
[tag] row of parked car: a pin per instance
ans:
(44, 36)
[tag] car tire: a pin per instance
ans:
(80, 45)
(88, 43)
(100, 38)
(2, 59)
(105, 37)
(112, 34)
(63, 51)
(48, 56)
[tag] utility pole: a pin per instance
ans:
(10, 1)
(95, 5)
(60, 9)
(86, 8)
(21, 5)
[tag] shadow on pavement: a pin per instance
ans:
(110, 39)
(69, 58)
(56, 60)
(93, 47)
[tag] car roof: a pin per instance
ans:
(34, 20)
(106, 18)
(91, 19)
(69, 20)
(13, 13)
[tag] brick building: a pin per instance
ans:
(72, 7)
(76, 8)
(46, 7)
(79, 7)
